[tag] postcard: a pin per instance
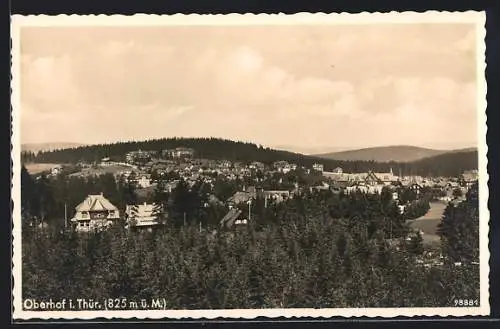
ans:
(243, 166)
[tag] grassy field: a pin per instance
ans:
(429, 222)
(36, 168)
(102, 170)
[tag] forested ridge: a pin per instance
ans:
(449, 164)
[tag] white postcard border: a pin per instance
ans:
(477, 18)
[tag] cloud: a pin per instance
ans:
(48, 82)
(246, 60)
(270, 85)
(116, 48)
(467, 43)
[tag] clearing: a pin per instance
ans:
(37, 168)
(429, 222)
(114, 169)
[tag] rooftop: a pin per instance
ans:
(95, 203)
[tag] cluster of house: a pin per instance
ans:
(146, 168)
(284, 166)
(237, 217)
(252, 193)
(179, 153)
(192, 170)
(96, 212)
(373, 182)
(141, 157)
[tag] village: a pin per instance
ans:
(283, 167)
(277, 182)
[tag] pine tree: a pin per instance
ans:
(415, 245)
(459, 229)
(28, 195)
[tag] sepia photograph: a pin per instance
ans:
(243, 166)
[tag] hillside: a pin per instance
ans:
(210, 148)
(449, 164)
(400, 153)
(37, 147)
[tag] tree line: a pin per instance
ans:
(50, 200)
(459, 229)
(449, 164)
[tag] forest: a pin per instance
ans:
(449, 164)
(317, 250)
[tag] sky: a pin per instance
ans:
(310, 88)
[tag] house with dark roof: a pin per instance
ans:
(233, 218)
(337, 170)
(240, 197)
(95, 212)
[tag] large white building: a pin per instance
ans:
(143, 215)
(370, 178)
(95, 212)
(179, 152)
(139, 156)
(144, 181)
(318, 167)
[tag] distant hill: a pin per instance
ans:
(37, 147)
(448, 164)
(210, 148)
(309, 150)
(400, 153)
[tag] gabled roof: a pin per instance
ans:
(143, 210)
(240, 197)
(230, 217)
(385, 176)
(470, 176)
(372, 177)
(95, 203)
